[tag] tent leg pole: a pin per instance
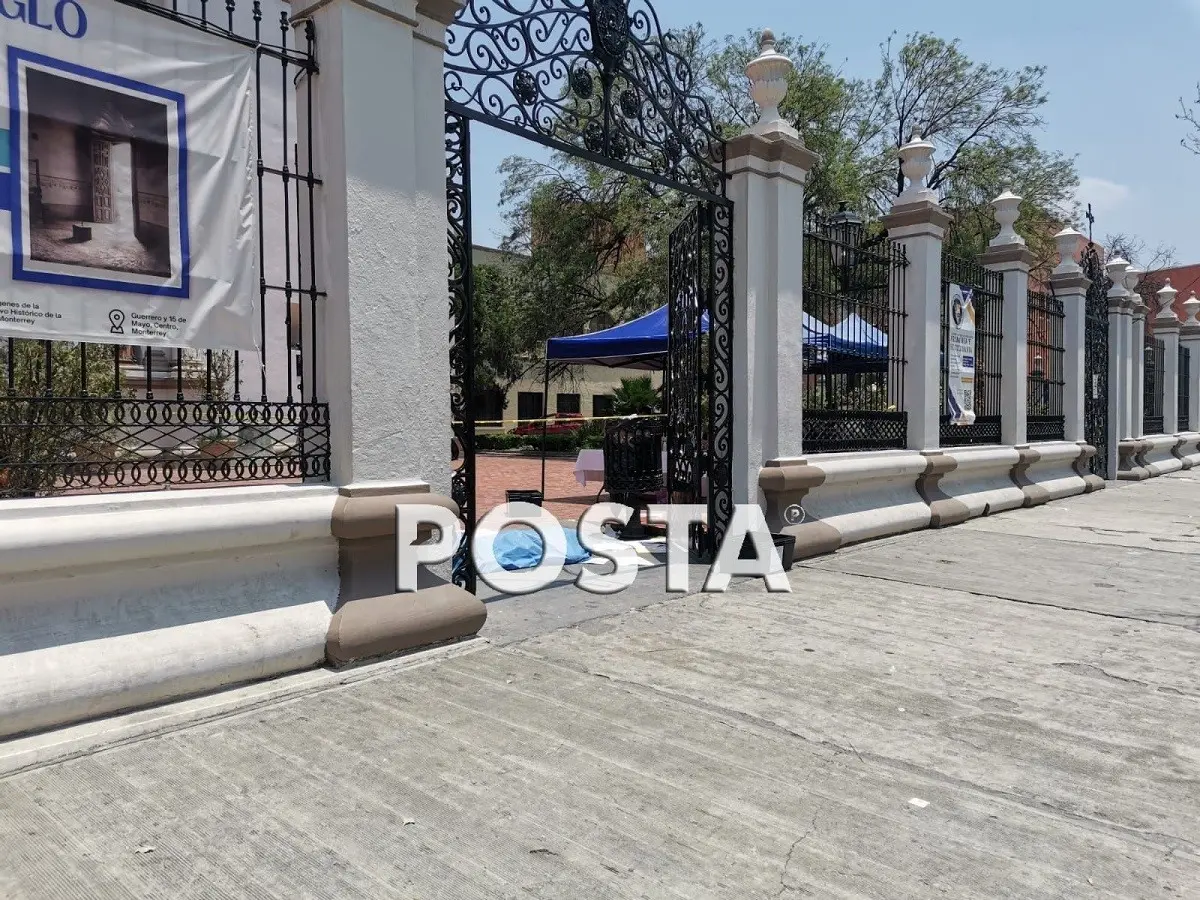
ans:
(545, 412)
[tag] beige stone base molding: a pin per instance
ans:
(852, 497)
(1188, 450)
(122, 602)
(1130, 465)
(1158, 454)
(372, 620)
(1092, 481)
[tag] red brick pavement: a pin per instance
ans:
(565, 498)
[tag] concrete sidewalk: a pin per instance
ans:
(1009, 708)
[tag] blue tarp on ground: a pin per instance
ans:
(518, 549)
(642, 343)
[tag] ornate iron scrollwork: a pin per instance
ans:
(687, 292)
(591, 75)
(700, 283)
(720, 387)
(1095, 360)
(525, 87)
(462, 344)
(610, 32)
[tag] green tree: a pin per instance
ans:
(839, 118)
(592, 243)
(1046, 183)
(45, 426)
(982, 119)
(595, 240)
(498, 361)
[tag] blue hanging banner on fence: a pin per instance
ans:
(960, 375)
(5, 178)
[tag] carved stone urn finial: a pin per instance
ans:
(769, 73)
(916, 162)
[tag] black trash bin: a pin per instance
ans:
(522, 496)
(785, 544)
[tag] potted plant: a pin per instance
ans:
(218, 441)
(636, 397)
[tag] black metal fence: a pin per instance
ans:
(987, 291)
(853, 338)
(1152, 397)
(79, 417)
(1044, 417)
(1185, 388)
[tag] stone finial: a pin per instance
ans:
(1133, 275)
(1166, 304)
(768, 73)
(1007, 209)
(1068, 241)
(916, 162)
(1191, 307)
(1116, 269)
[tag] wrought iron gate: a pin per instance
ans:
(698, 398)
(462, 338)
(1154, 355)
(1185, 389)
(599, 80)
(687, 294)
(1095, 361)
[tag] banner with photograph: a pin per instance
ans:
(127, 179)
(960, 380)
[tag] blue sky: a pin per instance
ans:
(1115, 73)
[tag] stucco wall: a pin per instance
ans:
(65, 181)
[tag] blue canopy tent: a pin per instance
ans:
(640, 344)
(853, 336)
(852, 345)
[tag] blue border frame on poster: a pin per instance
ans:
(15, 54)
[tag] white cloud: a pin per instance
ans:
(1104, 195)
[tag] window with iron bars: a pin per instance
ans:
(987, 289)
(84, 417)
(1044, 412)
(1152, 396)
(853, 328)
(1185, 388)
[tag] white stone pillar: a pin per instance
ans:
(1118, 346)
(1008, 254)
(379, 148)
(1128, 428)
(1166, 327)
(1189, 336)
(1121, 327)
(1137, 359)
(768, 166)
(918, 223)
(1071, 287)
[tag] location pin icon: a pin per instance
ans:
(117, 318)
